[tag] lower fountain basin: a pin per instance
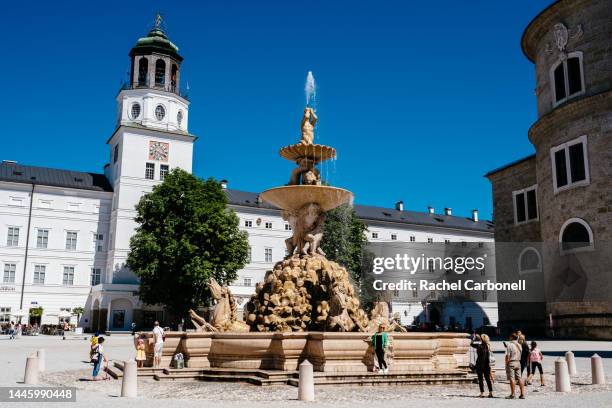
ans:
(293, 198)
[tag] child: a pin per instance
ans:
(140, 352)
(92, 345)
(535, 359)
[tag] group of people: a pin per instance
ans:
(519, 357)
(158, 346)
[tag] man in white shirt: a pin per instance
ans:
(158, 334)
(513, 366)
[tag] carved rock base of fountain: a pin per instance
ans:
(307, 293)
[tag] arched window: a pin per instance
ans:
(529, 261)
(575, 236)
(143, 71)
(567, 78)
(173, 77)
(160, 72)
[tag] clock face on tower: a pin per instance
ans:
(158, 151)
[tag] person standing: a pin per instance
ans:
(524, 355)
(513, 366)
(158, 335)
(380, 341)
(12, 330)
(535, 361)
(482, 345)
(98, 358)
(140, 351)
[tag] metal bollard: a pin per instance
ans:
(571, 363)
(597, 371)
(562, 379)
(41, 360)
(31, 370)
(129, 383)
(306, 383)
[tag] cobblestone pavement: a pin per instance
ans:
(66, 367)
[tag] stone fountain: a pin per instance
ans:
(306, 307)
(306, 291)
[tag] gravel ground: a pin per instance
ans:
(66, 367)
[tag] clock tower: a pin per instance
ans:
(151, 138)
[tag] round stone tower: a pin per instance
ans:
(569, 42)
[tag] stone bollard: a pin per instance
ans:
(597, 371)
(562, 379)
(31, 370)
(129, 383)
(571, 363)
(306, 383)
(41, 360)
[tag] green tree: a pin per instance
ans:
(78, 311)
(344, 240)
(186, 235)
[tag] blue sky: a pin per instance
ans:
(419, 98)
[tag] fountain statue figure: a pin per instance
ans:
(309, 120)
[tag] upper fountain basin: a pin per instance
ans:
(293, 198)
(314, 152)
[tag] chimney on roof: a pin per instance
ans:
(430, 209)
(224, 184)
(475, 215)
(9, 162)
(399, 206)
(448, 211)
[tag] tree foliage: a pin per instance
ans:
(344, 240)
(186, 235)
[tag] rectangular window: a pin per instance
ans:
(12, 238)
(96, 275)
(163, 170)
(9, 273)
(412, 239)
(430, 240)
(248, 223)
(16, 201)
(525, 205)
(250, 252)
(39, 274)
(68, 278)
(393, 237)
(71, 240)
(375, 235)
(415, 293)
(430, 265)
(42, 238)
(566, 77)
(44, 203)
(268, 254)
(98, 242)
(5, 314)
(570, 164)
(287, 227)
(447, 241)
(150, 171)
(268, 225)
(247, 281)
(116, 153)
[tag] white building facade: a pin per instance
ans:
(64, 235)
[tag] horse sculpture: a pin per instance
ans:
(225, 317)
